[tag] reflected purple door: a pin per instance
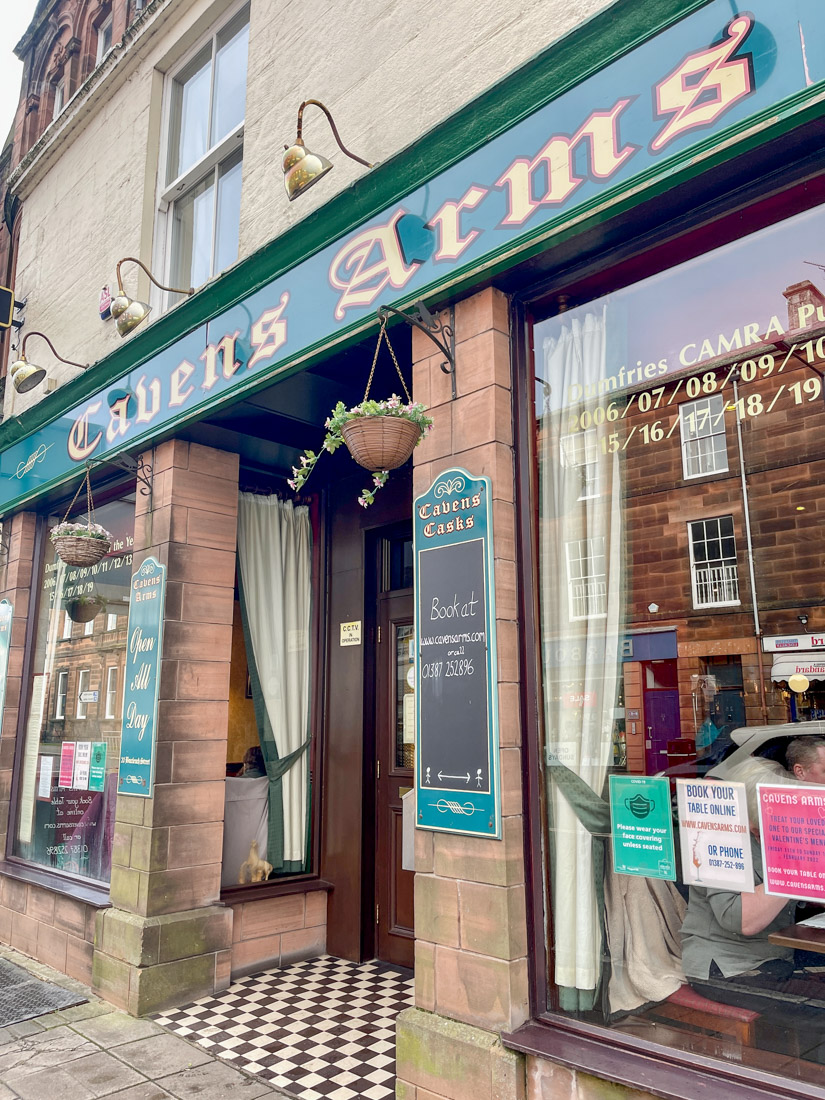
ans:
(661, 725)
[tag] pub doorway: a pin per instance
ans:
(393, 708)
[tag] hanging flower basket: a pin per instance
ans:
(81, 543)
(380, 442)
(380, 435)
(84, 608)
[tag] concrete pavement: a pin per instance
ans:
(92, 1050)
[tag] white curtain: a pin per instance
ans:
(582, 598)
(274, 554)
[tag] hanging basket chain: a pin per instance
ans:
(384, 335)
(90, 511)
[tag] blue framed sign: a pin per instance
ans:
(456, 695)
(136, 772)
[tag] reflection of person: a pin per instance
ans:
(711, 728)
(726, 953)
(253, 763)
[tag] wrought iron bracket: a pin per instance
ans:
(140, 469)
(441, 334)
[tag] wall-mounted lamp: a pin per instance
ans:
(25, 375)
(303, 168)
(129, 312)
(803, 619)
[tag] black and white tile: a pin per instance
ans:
(320, 1030)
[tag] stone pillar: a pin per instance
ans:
(16, 582)
(470, 923)
(166, 938)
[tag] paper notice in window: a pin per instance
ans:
(27, 787)
(82, 759)
(44, 784)
(67, 750)
(409, 719)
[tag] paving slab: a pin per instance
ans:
(102, 1074)
(50, 1083)
(25, 1027)
(214, 1081)
(33, 1053)
(160, 1055)
(86, 1011)
(147, 1091)
(115, 1028)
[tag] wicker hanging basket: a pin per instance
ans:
(80, 549)
(380, 442)
(84, 610)
(74, 547)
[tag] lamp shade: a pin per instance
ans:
(301, 169)
(25, 376)
(131, 314)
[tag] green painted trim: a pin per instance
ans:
(567, 62)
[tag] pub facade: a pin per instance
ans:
(464, 718)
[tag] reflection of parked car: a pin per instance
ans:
(767, 741)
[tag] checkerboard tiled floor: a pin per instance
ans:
(320, 1030)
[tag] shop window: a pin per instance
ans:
(669, 710)
(713, 571)
(587, 578)
(68, 763)
(60, 695)
(702, 428)
(111, 690)
(104, 39)
(201, 196)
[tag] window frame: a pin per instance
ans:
(100, 52)
(170, 194)
(58, 98)
(60, 697)
(588, 577)
(699, 605)
(712, 435)
(81, 672)
(111, 692)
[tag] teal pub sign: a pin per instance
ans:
(712, 77)
(6, 612)
(136, 771)
(456, 684)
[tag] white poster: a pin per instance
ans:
(714, 835)
(82, 760)
(44, 785)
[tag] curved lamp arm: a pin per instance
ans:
(135, 260)
(28, 336)
(299, 138)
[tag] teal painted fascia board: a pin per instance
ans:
(567, 62)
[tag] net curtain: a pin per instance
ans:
(275, 560)
(580, 501)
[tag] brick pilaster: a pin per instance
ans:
(471, 932)
(165, 937)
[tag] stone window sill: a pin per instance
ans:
(303, 884)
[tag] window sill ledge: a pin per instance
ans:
(53, 881)
(648, 1067)
(233, 895)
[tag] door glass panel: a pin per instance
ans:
(404, 696)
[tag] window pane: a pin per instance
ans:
(192, 236)
(189, 122)
(681, 627)
(229, 213)
(68, 777)
(229, 95)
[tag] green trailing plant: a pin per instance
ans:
(79, 531)
(414, 412)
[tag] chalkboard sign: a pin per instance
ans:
(457, 780)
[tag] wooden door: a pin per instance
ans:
(394, 726)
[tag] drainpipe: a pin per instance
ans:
(757, 628)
